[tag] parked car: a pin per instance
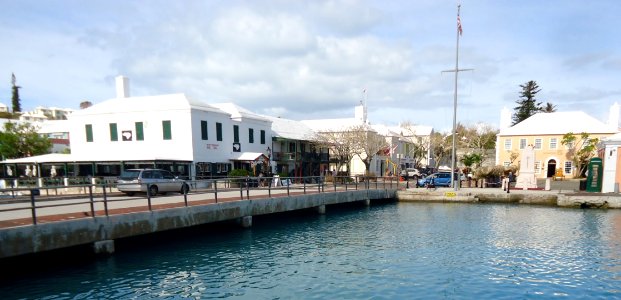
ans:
(410, 172)
(157, 180)
(439, 179)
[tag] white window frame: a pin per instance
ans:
(522, 143)
(506, 163)
(568, 165)
(553, 143)
(538, 142)
(507, 144)
(538, 167)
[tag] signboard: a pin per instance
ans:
(236, 147)
(127, 135)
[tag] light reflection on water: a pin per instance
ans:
(405, 250)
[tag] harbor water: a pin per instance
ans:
(385, 251)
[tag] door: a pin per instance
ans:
(551, 168)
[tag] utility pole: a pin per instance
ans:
(456, 70)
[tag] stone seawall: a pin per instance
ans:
(101, 231)
(552, 198)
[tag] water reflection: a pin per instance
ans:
(386, 252)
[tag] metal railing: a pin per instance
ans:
(92, 200)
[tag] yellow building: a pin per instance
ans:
(544, 131)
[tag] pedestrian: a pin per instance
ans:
(511, 179)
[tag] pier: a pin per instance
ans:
(90, 220)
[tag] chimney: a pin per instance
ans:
(505, 118)
(613, 116)
(122, 87)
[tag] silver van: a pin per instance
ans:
(157, 180)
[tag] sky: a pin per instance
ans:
(315, 59)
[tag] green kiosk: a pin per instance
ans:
(594, 177)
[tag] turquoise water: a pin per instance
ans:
(387, 251)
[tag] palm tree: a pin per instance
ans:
(549, 108)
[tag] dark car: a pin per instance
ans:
(439, 179)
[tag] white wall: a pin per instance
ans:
(153, 146)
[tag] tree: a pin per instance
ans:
(477, 138)
(17, 107)
(441, 144)
(339, 145)
(580, 149)
(527, 104)
(470, 159)
(549, 108)
(369, 143)
(22, 140)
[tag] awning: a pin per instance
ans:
(251, 156)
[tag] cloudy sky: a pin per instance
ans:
(313, 59)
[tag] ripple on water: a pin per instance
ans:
(390, 251)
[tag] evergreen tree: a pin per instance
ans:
(17, 107)
(527, 104)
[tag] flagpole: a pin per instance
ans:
(454, 150)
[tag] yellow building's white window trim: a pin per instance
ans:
(538, 143)
(522, 144)
(507, 144)
(567, 167)
(553, 143)
(538, 167)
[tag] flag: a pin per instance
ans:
(459, 25)
(13, 78)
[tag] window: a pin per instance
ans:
(89, 132)
(291, 147)
(507, 144)
(522, 143)
(537, 167)
(139, 131)
(262, 137)
(219, 132)
(553, 143)
(250, 135)
(537, 143)
(114, 135)
(204, 130)
(506, 164)
(568, 167)
(166, 128)
(235, 133)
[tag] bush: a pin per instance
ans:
(238, 173)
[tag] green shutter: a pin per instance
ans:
(166, 128)
(235, 133)
(114, 135)
(219, 131)
(139, 132)
(204, 130)
(250, 135)
(262, 137)
(89, 132)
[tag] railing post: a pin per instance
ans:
(288, 184)
(247, 190)
(33, 207)
(304, 180)
(269, 187)
(241, 191)
(185, 194)
(215, 186)
(90, 196)
(105, 199)
(149, 196)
